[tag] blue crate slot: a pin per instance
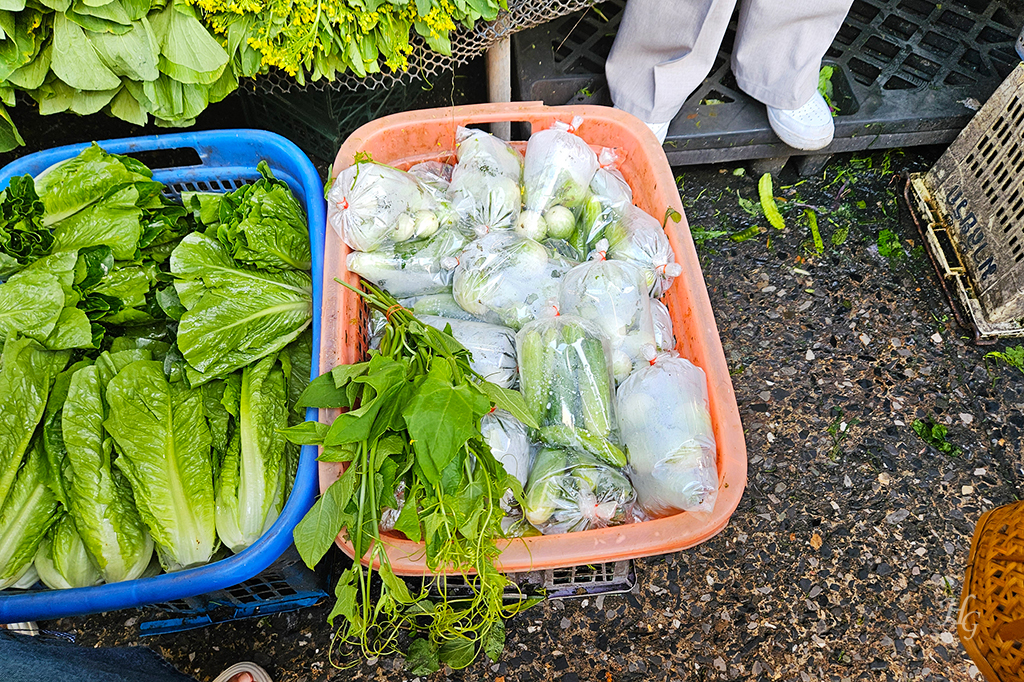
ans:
(227, 159)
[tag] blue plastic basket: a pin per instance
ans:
(227, 160)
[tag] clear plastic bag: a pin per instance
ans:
(434, 174)
(566, 380)
(441, 305)
(483, 202)
(493, 347)
(506, 279)
(375, 328)
(484, 153)
(664, 336)
(372, 206)
(639, 239)
(509, 443)
(613, 295)
(571, 491)
(609, 198)
(557, 171)
(389, 515)
(665, 424)
(411, 268)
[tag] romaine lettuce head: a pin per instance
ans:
(99, 497)
(164, 451)
(234, 315)
(62, 560)
(251, 484)
(26, 374)
(25, 517)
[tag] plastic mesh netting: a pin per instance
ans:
(424, 63)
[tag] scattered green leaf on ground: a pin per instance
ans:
(750, 207)
(1013, 356)
(935, 435)
(771, 210)
(890, 247)
(702, 234)
(812, 223)
(839, 431)
(840, 235)
(746, 234)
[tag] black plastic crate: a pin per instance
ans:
(908, 72)
(616, 577)
(319, 121)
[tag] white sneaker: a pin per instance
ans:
(808, 128)
(660, 130)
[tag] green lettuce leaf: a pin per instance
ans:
(234, 316)
(261, 224)
(250, 490)
(164, 451)
(25, 517)
(99, 496)
(26, 373)
(73, 330)
(62, 560)
(114, 222)
(88, 178)
(30, 304)
(22, 235)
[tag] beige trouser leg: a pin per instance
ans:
(665, 48)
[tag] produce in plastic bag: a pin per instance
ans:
(666, 427)
(509, 443)
(572, 491)
(557, 172)
(412, 268)
(483, 202)
(484, 153)
(566, 380)
(506, 279)
(441, 305)
(639, 239)
(372, 206)
(612, 295)
(493, 347)
(609, 198)
(664, 337)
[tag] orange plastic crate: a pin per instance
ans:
(405, 139)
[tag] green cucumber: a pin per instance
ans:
(580, 439)
(595, 388)
(543, 486)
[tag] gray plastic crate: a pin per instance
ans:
(970, 210)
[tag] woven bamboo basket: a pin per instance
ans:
(991, 616)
